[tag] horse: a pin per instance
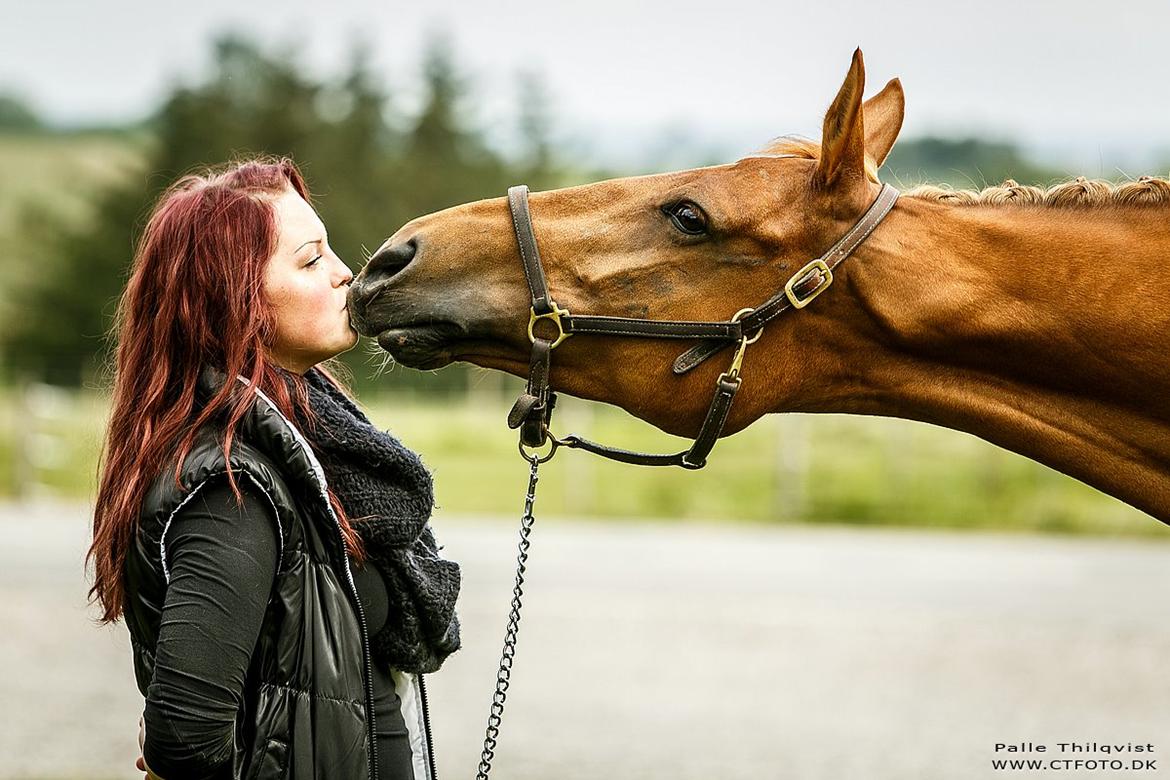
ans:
(1033, 318)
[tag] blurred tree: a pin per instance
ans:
(537, 166)
(252, 104)
(968, 163)
(17, 116)
(60, 318)
(445, 162)
(354, 172)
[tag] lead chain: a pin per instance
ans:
(504, 675)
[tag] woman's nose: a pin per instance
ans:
(344, 274)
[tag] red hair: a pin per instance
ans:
(195, 297)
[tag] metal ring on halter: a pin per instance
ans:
(759, 332)
(554, 315)
(533, 457)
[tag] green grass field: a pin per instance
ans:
(832, 468)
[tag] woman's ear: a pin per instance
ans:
(843, 138)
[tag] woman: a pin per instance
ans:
(268, 547)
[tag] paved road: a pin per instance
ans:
(692, 651)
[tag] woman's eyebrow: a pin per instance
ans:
(302, 246)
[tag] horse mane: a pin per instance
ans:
(806, 149)
(1079, 192)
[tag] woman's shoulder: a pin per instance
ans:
(205, 463)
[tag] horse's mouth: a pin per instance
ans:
(435, 345)
(431, 340)
(422, 346)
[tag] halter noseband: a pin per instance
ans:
(533, 409)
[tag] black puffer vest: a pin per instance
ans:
(307, 693)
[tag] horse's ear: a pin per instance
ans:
(883, 119)
(843, 139)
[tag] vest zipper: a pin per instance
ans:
(422, 693)
(369, 672)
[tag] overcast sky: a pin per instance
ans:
(1082, 82)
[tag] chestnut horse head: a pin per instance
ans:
(1035, 319)
(692, 245)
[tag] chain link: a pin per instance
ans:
(503, 677)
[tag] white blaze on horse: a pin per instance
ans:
(1034, 319)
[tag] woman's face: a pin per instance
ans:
(305, 284)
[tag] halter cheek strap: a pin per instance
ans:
(532, 411)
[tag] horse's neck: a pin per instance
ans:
(1040, 329)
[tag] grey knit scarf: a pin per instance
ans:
(388, 494)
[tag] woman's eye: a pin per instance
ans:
(313, 262)
(688, 218)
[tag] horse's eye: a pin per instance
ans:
(687, 217)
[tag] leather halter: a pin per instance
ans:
(533, 409)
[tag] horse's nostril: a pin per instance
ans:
(392, 259)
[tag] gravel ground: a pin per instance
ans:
(692, 651)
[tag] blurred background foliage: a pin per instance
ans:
(371, 168)
(73, 201)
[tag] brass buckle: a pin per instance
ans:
(555, 316)
(815, 265)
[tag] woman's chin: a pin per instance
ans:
(347, 343)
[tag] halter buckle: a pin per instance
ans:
(800, 301)
(555, 316)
